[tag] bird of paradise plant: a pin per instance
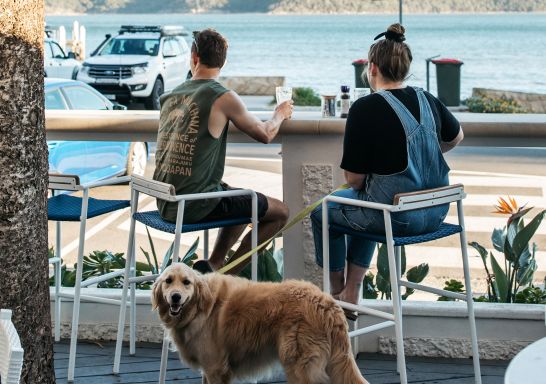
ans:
(513, 242)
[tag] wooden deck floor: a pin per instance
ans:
(94, 366)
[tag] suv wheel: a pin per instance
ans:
(152, 101)
(137, 159)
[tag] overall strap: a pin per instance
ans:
(425, 112)
(406, 118)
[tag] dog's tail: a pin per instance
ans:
(342, 368)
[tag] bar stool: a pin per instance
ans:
(63, 207)
(152, 219)
(405, 202)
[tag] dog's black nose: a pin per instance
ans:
(176, 297)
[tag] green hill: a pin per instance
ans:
(292, 6)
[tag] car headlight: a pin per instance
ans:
(140, 69)
(84, 69)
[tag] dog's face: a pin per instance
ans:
(179, 293)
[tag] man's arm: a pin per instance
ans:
(355, 180)
(448, 146)
(263, 131)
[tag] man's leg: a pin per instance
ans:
(226, 239)
(274, 219)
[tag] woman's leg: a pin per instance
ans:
(359, 256)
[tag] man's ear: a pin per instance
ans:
(157, 294)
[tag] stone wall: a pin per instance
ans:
(253, 85)
(532, 102)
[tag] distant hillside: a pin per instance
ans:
(292, 6)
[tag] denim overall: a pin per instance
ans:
(426, 169)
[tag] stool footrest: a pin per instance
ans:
(100, 279)
(371, 328)
(439, 292)
(367, 311)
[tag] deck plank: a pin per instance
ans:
(94, 366)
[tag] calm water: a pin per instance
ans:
(502, 51)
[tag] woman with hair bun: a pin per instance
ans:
(394, 140)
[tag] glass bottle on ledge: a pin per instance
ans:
(345, 101)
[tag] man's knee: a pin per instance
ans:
(277, 211)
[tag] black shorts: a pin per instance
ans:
(236, 206)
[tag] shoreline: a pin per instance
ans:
(71, 13)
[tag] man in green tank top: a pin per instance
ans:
(191, 149)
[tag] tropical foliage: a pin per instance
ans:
(379, 285)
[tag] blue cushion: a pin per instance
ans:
(69, 208)
(153, 219)
(444, 230)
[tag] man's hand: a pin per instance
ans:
(285, 109)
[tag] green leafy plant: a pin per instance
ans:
(506, 278)
(452, 285)
(484, 104)
(382, 284)
(268, 265)
(531, 295)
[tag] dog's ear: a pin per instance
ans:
(203, 294)
(157, 293)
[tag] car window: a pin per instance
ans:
(57, 51)
(170, 49)
(54, 100)
(81, 98)
(122, 46)
(47, 50)
(182, 45)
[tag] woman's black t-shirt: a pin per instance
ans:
(375, 141)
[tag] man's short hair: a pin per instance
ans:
(211, 47)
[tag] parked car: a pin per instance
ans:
(57, 63)
(91, 160)
(139, 64)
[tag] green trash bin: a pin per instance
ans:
(448, 79)
(360, 66)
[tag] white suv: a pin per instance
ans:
(139, 64)
(56, 63)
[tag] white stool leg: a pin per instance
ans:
(469, 299)
(132, 315)
(123, 304)
(398, 254)
(206, 244)
(397, 308)
(77, 289)
(164, 358)
(57, 274)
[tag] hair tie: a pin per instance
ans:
(391, 35)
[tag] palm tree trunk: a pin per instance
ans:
(23, 185)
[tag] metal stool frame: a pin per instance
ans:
(60, 182)
(404, 202)
(166, 192)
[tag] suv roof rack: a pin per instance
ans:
(167, 30)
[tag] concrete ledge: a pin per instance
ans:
(433, 329)
(253, 85)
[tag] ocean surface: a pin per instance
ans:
(500, 51)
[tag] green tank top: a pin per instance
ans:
(188, 156)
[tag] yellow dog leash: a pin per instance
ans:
(301, 214)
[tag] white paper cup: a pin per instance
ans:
(283, 94)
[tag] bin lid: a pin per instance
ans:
(447, 61)
(360, 61)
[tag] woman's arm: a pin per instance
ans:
(448, 146)
(355, 180)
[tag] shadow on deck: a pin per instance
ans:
(94, 366)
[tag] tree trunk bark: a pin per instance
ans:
(24, 284)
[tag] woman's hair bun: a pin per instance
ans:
(395, 32)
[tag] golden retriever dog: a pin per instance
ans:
(233, 328)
